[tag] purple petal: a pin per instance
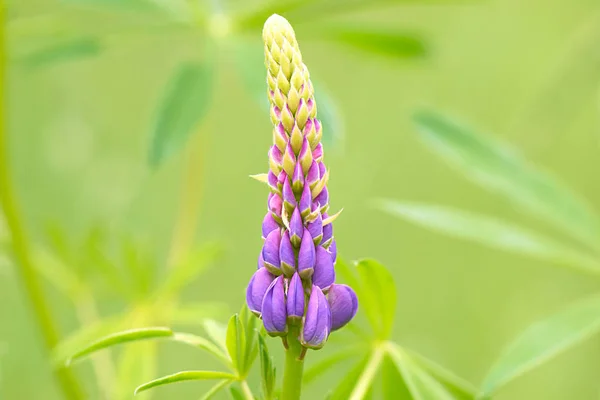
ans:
(316, 229)
(270, 251)
(318, 152)
(305, 201)
(322, 169)
(317, 324)
(295, 297)
(259, 283)
(333, 251)
(275, 204)
(324, 273)
(272, 180)
(288, 194)
(275, 155)
(268, 225)
(323, 198)
(280, 179)
(273, 307)
(261, 261)
(306, 255)
(305, 157)
(296, 227)
(313, 176)
(286, 255)
(327, 233)
(298, 178)
(343, 304)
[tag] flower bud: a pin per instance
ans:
(296, 228)
(324, 273)
(289, 160)
(295, 298)
(305, 158)
(286, 255)
(316, 229)
(305, 203)
(306, 255)
(268, 225)
(327, 233)
(274, 313)
(280, 138)
(312, 176)
(298, 179)
(343, 304)
(289, 200)
(318, 152)
(259, 283)
(275, 159)
(270, 252)
(333, 251)
(317, 323)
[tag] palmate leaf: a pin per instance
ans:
(497, 167)
(216, 389)
(345, 387)
(267, 370)
(389, 43)
(491, 232)
(544, 340)
(184, 376)
(331, 360)
(182, 109)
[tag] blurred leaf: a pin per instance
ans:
(215, 389)
(267, 370)
(236, 343)
(196, 262)
(127, 336)
(137, 364)
(377, 296)
(330, 117)
(392, 384)
(204, 344)
(60, 51)
(57, 273)
(495, 166)
(184, 376)
(196, 313)
(248, 321)
(345, 386)
(378, 41)
(544, 340)
(87, 334)
(235, 393)
(217, 332)
(460, 388)
(255, 19)
(491, 232)
(184, 105)
(421, 385)
(318, 369)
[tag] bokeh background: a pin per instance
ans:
(81, 127)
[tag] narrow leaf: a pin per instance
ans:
(184, 105)
(389, 43)
(120, 338)
(497, 167)
(204, 344)
(137, 363)
(377, 296)
(267, 371)
(215, 389)
(59, 51)
(250, 334)
(196, 313)
(236, 342)
(183, 377)
(490, 232)
(346, 385)
(544, 340)
(217, 332)
(318, 369)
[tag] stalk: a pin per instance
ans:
(20, 245)
(294, 367)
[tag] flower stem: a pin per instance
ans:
(246, 389)
(20, 246)
(294, 366)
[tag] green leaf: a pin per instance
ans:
(490, 232)
(62, 278)
(344, 388)
(267, 370)
(255, 19)
(392, 383)
(183, 377)
(497, 167)
(250, 333)
(377, 296)
(235, 393)
(216, 389)
(60, 51)
(421, 385)
(217, 332)
(194, 264)
(184, 105)
(389, 43)
(544, 340)
(236, 343)
(204, 344)
(196, 313)
(137, 363)
(318, 369)
(127, 336)
(329, 115)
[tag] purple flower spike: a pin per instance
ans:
(289, 160)
(296, 228)
(272, 181)
(322, 168)
(324, 274)
(275, 159)
(298, 179)
(305, 201)
(327, 233)
(259, 283)
(318, 152)
(280, 179)
(280, 138)
(275, 204)
(287, 256)
(312, 177)
(268, 225)
(288, 195)
(343, 304)
(261, 261)
(295, 298)
(333, 251)
(323, 198)
(270, 252)
(317, 323)
(274, 313)
(305, 157)
(306, 255)
(316, 229)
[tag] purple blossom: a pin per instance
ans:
(317, 323)
(343, 304)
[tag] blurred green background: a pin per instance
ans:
(80, 130)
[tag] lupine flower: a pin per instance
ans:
(294, 284)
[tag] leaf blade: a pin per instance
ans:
(544, 340)
(184, 376)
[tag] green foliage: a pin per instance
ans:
(184, 376)
(267, 369)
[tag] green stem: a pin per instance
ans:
(366, 378)
(294, 366)
(246, 389)
(20, 246)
